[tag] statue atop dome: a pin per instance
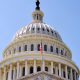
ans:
(37, 5)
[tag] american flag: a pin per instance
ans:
(41, 47)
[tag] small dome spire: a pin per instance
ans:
(37, 14)
(37, 5)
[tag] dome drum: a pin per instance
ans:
(53, 46)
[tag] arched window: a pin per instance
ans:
(51, 48)
(64, 74)
(58, 72)
(47, 30)
(43, 29)
(19, 48)
(12, 74)
(52, 32)
(38, 47)
(73, 72)
(53, 70)
(38, 30)
(55, 34)
(45, 47)
(38, 68)
(7, 76)
(14, 50)
(32, 47)
(33, 29)
(23, 71)
(57, 50)
(25, 48)
(31, 70)
(61, 52)
(46, 69)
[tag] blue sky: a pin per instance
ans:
(63, 15)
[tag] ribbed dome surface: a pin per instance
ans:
(37, 28)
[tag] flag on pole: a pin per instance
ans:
(41, 48)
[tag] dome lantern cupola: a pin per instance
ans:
(37, 14)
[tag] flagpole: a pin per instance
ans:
(42, 52)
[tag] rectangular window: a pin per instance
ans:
(57, 50)
(38, 47)
(20, 49)
(51, 48)
(45, 47)
(25, 48)
(53, 70)
(23, 71)
(64, 74)
(32, 47)
(61, 52)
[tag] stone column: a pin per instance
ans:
(62, 72)
(59, 69)
(14, 74)
(71, 74)
(52, 67)
(20, 72)
(4, 77)
(66, 72)
(22, 49)
(17, 49)
(28, 47)
(75, 75)
(34, 66)
(54, 50)
(0, 75)
(26, 68)
(35, 47)
(43, 65)
(10, 72)
(56, 70)
(17, 70)
(59, 51)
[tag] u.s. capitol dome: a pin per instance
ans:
(24, 60)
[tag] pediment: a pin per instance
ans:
(41, 76)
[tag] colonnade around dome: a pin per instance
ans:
(22, 66)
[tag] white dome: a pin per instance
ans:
(37, 52)
(37, 28)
